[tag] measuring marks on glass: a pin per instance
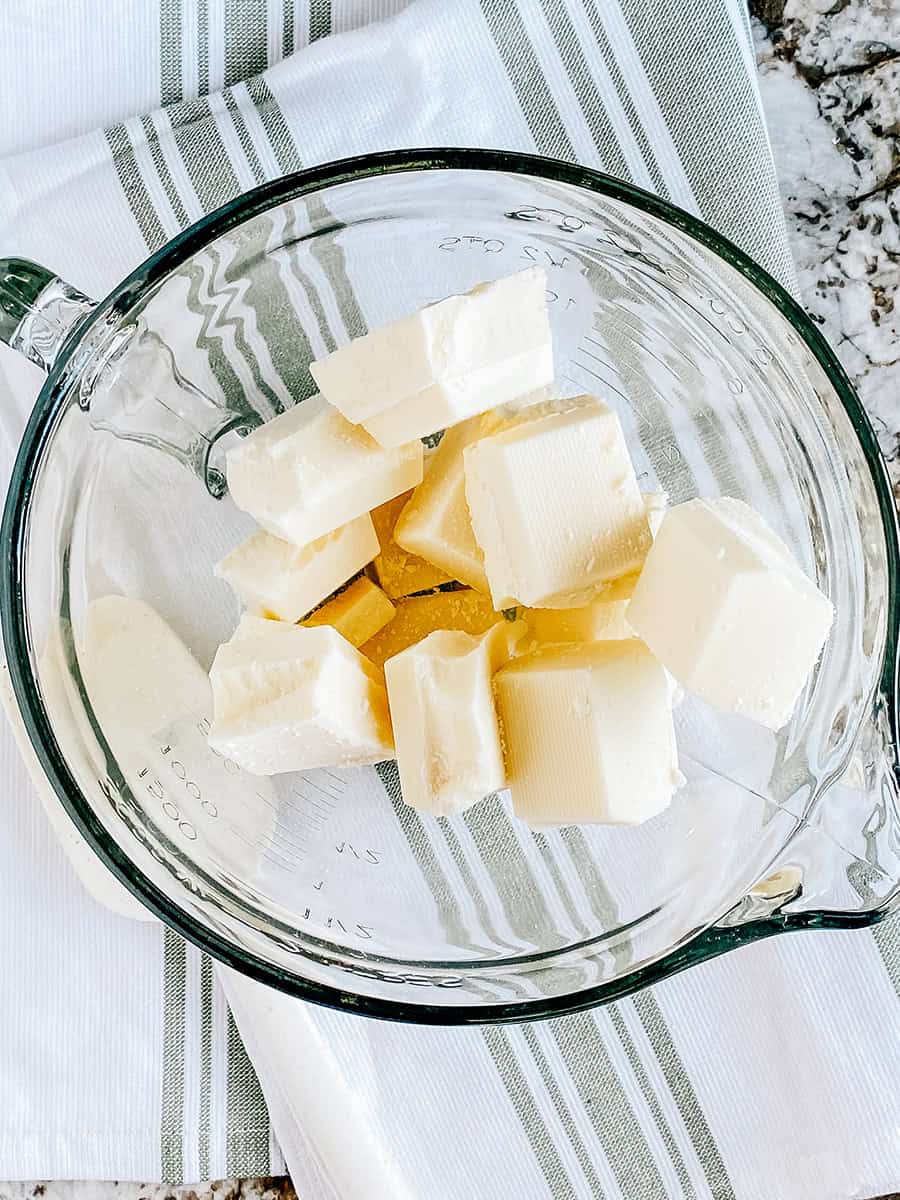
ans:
(234, 816)
(590, 365)
(658, 387)
(226, 815)
(332, 877)
(240, 819)
(305, 805)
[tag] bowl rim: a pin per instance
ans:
(705, 942)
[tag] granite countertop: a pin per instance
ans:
(223, 1189)
(829, 74)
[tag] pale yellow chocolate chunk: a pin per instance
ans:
(435, 523)
(602, 619)
(417, 616)
(555, 505)
(588, 734)
(448, 741)
(357, 613)
(308, 471)
(446, 362)
(277, 579)
(399, 572)
(726, 607)
(290, 698)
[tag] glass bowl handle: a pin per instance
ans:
(38, 310)
(129, 381)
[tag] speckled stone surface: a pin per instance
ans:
(829, 73)
(229, 1189)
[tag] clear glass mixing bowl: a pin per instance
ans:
(327, 885)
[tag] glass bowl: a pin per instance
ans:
(326, 884)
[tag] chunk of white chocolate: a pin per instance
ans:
(656, 504)
(603, 619)
(435, 523)
(448, 742)
(274, 577)
(292, 697)
(399, 571)
(555, 505)
(360, 612)
(447, 362)
(465, 610)
(724, 605)
(588, 734)
(308, 471)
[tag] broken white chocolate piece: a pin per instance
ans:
(274, 577)
(724, 605)
(448, 743)
(446, 362)
(588, 734)
(309, 471)
(290, 698)
(555, 505)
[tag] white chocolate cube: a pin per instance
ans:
(309, 471)
(588, 734)
(657, 505)
(555, 505)
(416, 616)
(274, 577)
(604, 619)
(400, 571)
(435, 523)
(448, 742)
(447, 362)
(723, 604)
(290, 698)
(358, 613)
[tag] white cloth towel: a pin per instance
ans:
(770, 1074)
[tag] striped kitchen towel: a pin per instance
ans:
(119, 1055)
